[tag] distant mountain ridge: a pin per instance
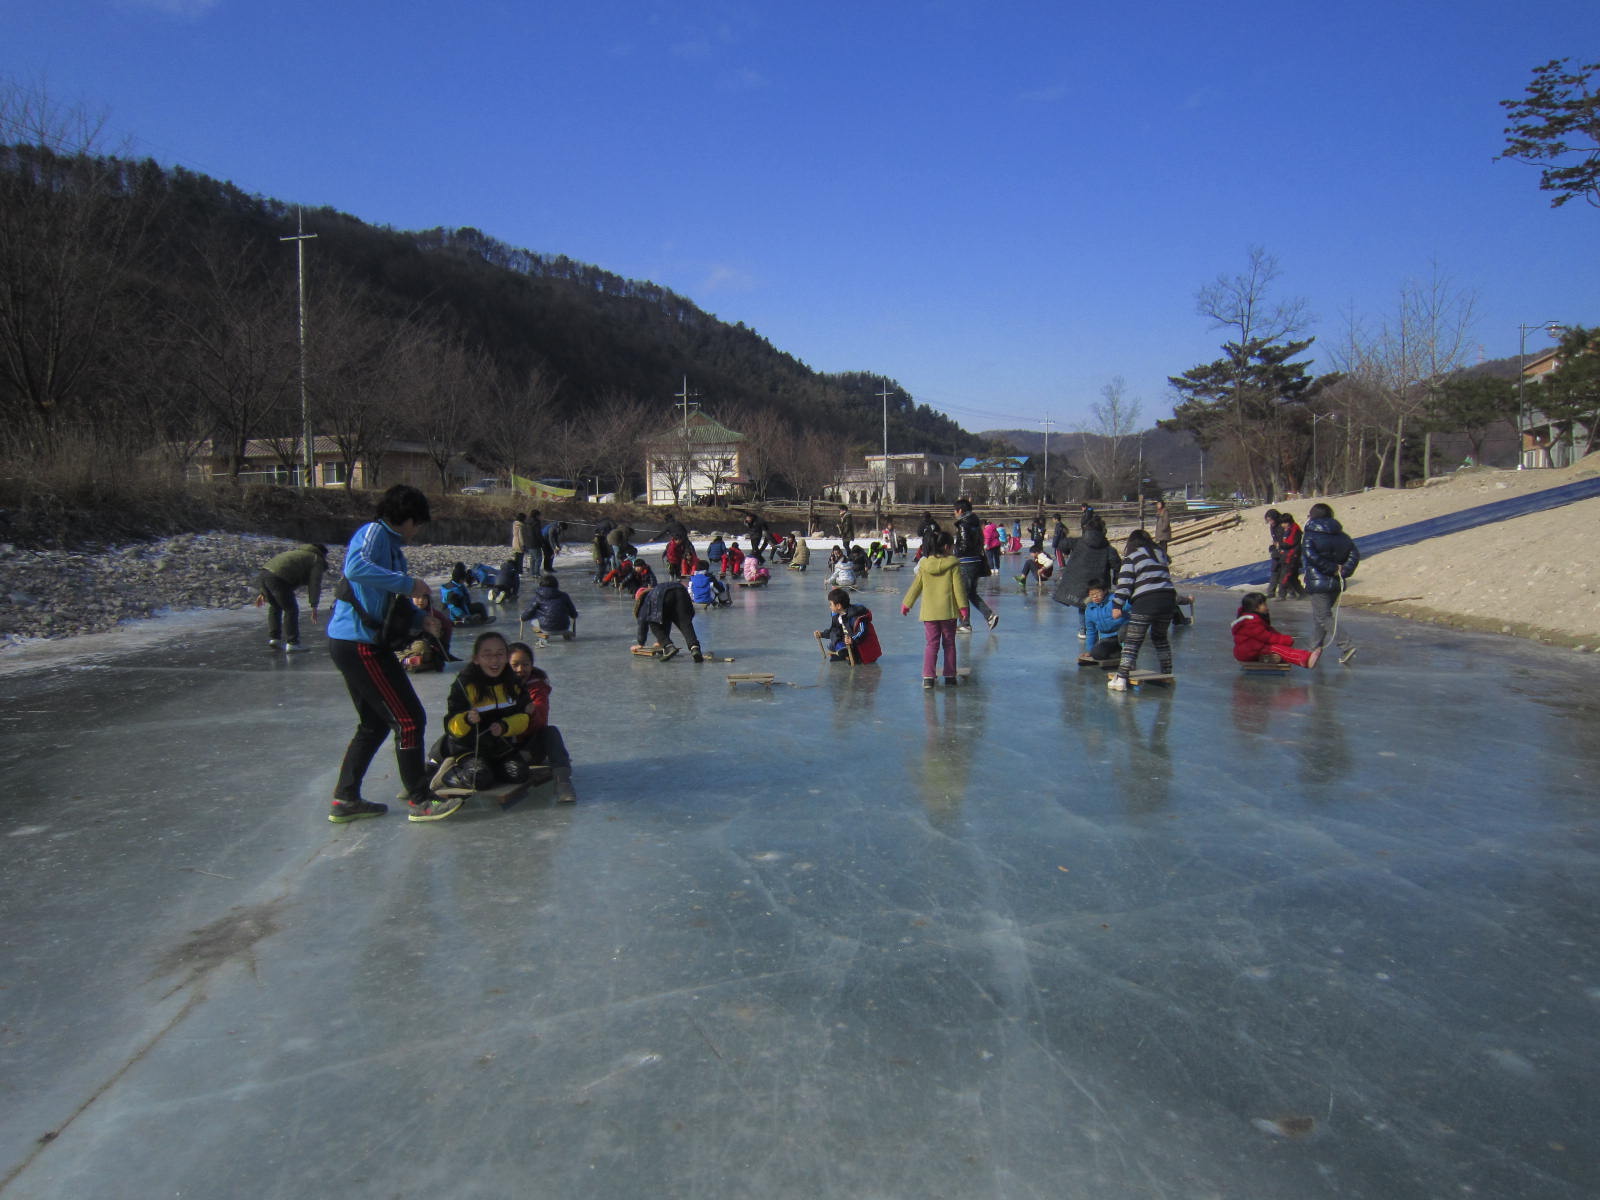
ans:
(1171, 457)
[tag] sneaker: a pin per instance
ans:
(951, 680)
(434, 808)
(927, 681)
(694, 653)
(1022, 580)
(1083, 636)
(1314, 658)
(1117, 683)
(275, 643)
(963, 628)
(993, 619)
(293, 648)
(344, 811)
(1347, 655)
(668, 652)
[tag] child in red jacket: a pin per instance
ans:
(1255, 640)
(733, 560)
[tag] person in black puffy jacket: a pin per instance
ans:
(551, 610)
(1330, 557)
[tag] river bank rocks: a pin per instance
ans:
(58, 593)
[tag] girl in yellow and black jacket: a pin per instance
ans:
(485, 716)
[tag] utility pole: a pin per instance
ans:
(1140, 481)
(883, 492)
(1044, 487)
(684, 399)
(300, 239)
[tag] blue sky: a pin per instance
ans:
(1000, 205)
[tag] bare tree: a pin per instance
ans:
(616, 424)
(764, 435)
(672, 457)
(236, 355)
(442, 408)
(1110, 450)
(516, 411)
(360, 371)
(1425, 339)
(571, 448)
(716, 470)
(69, 236)
(1240, 303)
(1238, 402)
(810, 460)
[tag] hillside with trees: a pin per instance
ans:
(150, 310)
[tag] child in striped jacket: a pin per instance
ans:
(1146, 594)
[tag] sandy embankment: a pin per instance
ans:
(1536, 576)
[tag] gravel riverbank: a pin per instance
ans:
(58, 594)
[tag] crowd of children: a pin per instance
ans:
(497, 728)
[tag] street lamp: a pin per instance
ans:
(1317, 419)
(1554, 330)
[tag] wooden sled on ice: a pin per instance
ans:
(1137, 678)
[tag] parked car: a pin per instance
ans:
(488, 486)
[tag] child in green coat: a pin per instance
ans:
(944, 599)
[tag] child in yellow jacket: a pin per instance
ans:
(485, 716)
(944, 599)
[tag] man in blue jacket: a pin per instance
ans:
(375, 570)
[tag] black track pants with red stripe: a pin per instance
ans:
(385, 701)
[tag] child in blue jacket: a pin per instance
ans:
(1102, 638)
(705, 588)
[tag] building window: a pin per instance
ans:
(335, 473)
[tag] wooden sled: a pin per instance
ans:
(754, 583)
(645, 651)
(1265, 668)
(505, 795)
(1105, 664)
(1139, 677)
(765, 678)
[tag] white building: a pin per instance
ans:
(695, 457)
(909, 479)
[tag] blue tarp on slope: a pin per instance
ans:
(1419, 531)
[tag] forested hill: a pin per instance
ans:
(597, 333)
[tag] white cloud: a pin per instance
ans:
(723, 278)
(1045, 95)
(745, 79)
(174, 8)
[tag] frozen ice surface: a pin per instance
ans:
(1330, 934)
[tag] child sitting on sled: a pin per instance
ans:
(1255, 640)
